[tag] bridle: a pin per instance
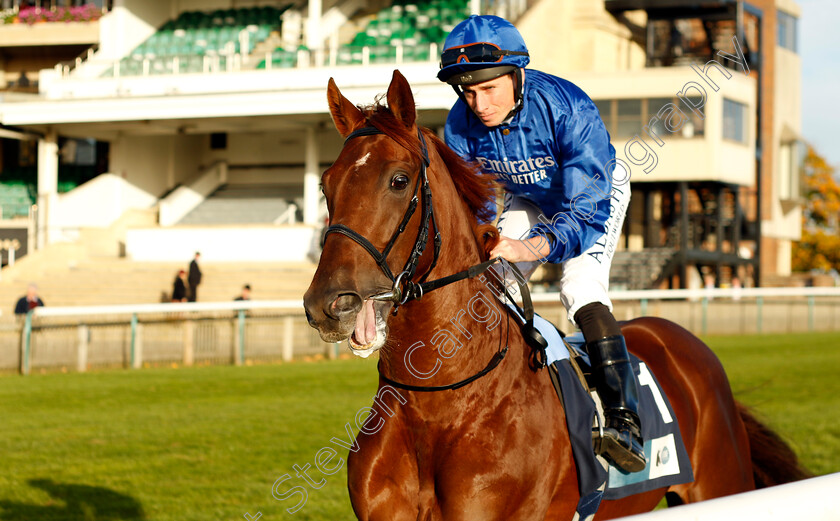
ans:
(405, 289)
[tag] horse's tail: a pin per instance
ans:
(773, 460)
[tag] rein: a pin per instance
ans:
(404, 289)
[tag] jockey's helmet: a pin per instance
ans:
(481, 48)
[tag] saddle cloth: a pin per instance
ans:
(668, 462)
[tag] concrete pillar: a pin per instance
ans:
(313, 25)
(47, 187)
(311, 192)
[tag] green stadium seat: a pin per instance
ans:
(412, 25)
(194, 34)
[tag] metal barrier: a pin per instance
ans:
(734, 311)
(133, 336)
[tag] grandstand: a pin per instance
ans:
(159, 128)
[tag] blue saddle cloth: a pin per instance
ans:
(668, 462)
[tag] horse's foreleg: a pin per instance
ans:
(382, 478)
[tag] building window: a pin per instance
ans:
(734, 121)
(787, 33)
(605, 108)
(690, 124)
(626, 118)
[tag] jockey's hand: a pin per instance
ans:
(513, 250)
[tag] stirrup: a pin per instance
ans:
(621, 443)
(624, 451)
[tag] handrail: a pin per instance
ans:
(288, 215)
(128, 309)
(667, 294)
(683, 294)
(191, 193)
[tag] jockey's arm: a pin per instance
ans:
(514, 250)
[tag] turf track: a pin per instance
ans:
(208, 443)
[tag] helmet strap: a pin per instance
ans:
(460, 92)
(517, 93)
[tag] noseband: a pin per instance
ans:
(403, 289)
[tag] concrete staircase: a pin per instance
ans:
(243, 204)
(64, 281)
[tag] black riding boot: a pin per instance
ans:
(616, 383)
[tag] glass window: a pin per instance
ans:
(605, 108)
(734, 121)
(629, 118)
(657, 126)
(786, 34)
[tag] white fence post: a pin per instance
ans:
(189, 343)
(137, 363)
(237, 343)
(288, 338)
(82, 349)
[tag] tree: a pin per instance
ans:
(819, 248)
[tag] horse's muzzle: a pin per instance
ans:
(333, 315)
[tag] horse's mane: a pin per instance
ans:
(474, 188)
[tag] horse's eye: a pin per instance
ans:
(399, 182)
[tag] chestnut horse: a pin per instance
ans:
(496, 447)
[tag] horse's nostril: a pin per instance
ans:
(309, 318)
(345, 304)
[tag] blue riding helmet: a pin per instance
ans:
(481, 48)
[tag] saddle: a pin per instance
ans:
(571, 373)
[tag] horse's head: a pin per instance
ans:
(375, 198)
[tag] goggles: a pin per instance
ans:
(479, 52)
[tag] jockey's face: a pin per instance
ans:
(491, 100)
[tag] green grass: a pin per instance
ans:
(793, 384)
(208, 443)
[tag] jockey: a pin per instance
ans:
(565, 197)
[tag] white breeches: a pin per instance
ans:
(585, 278)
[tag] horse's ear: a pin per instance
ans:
(487, 236)
(346, 116)
(401, 101)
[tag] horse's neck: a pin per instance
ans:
(447, 336)
(452, 332)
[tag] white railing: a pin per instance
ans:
(726, 310)
(229, 61)
(185, 333)
(225, 332)
(812, 499)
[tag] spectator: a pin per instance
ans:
(179, 287)
(194, 278)
(246, 293)
(29, 301)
